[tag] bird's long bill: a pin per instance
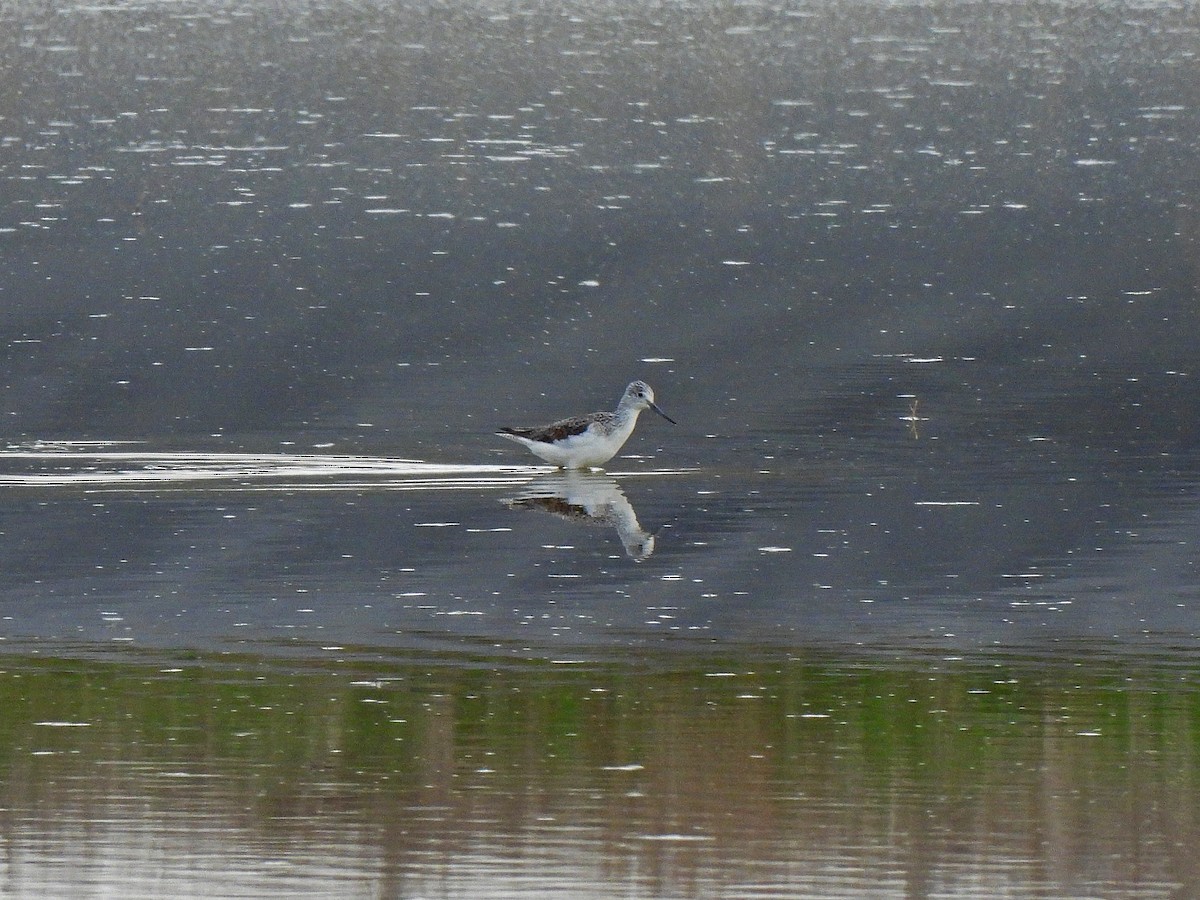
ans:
(663, 414)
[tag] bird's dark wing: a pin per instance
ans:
(557, 431)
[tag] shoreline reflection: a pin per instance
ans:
(714, 774)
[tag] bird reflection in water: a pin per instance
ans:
(589, 497)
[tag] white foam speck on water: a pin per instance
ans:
(678, 838)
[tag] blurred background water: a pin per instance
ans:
(907, 602)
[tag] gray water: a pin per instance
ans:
(918, 282)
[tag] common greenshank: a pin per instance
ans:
(592, 440)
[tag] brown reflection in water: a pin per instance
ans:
(715, 779)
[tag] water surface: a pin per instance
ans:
(906, 602)
(741, 775)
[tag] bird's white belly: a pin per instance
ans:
(588, 448)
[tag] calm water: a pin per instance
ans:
(732, 775)
(906, 605)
